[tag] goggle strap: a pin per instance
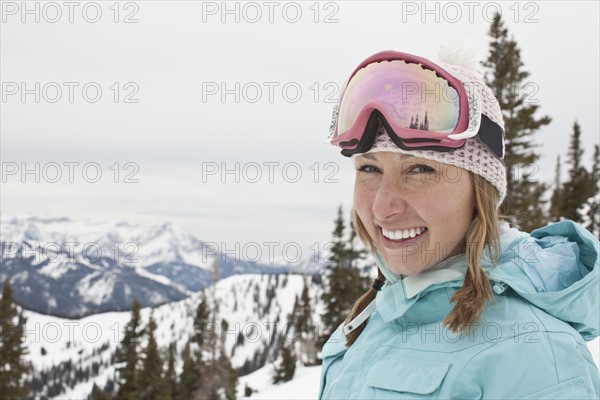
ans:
(492, 135)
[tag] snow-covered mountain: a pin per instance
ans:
(69, 356)
(73, 268)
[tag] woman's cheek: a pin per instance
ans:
(364, 197)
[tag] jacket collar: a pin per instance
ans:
(425, 297)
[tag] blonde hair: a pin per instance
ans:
(476, 290)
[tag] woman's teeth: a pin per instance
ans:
(403, 233)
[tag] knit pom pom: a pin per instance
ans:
(458, 52)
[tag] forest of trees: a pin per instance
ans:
(526, 201)
(147, 373)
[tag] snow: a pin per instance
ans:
(83, 390)
(67, 339)
(94, 290)
(55, 268)
(158, 278)
(304, 385)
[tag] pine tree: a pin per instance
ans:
(284, 371)
(206, 362)
(578, 188)
(216, 375)
(229, 376)
(303, 324)
(247, 390)
(188, 380)
(556, 199)
(128, 356)
(356, 250)
(304, 314)
(171, 374)
(193, 379)
(98, 394)
(202, 321)
(14, 370)
(345, 283)
(152, 385)
(339, 255)
(593, 214)
(524, 191)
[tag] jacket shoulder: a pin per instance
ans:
(546, 356)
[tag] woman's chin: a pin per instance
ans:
(405, 267)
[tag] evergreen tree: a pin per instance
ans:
(593, 214)
(202, 321)
(556, 200)
(14, 370)
(217, 378)
(356, 250)
(99, 394)
(578, 188)
(152, 385)
(193, 379)
(171, 374)
(128, 357)
(210, 342)
(344, 281)
(284, 371)
(303, 324)
(229, 376)
(339, 255)
(304, 314)
(188, 381)
(248, 390)
(524, 191)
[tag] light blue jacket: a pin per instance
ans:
(529, 343)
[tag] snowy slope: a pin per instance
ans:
(89, 343)
(305, 384)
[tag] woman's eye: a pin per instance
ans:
(368, 169)
(421, 169)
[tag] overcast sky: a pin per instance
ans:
(163, 105)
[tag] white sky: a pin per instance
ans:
(179, 49)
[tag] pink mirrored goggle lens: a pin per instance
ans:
(412, 99)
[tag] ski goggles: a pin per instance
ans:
(421, 106)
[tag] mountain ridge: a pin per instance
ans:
(73, 268)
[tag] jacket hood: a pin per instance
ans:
(555, 268)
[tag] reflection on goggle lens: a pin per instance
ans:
(409, 95)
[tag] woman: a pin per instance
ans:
(464, 306)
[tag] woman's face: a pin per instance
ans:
(415, 210)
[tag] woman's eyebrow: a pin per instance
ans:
(369, 156)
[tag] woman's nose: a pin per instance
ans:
(390, 200)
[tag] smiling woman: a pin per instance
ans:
(464, 306)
